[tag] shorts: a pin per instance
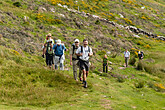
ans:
(84, 65)
(49, 59)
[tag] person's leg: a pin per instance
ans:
(74, 69)
(103, 68)
(61, 63)
(107, 69)
(47, 60)
(87, 68)
(126, 61)
(80, 71)
(52, 62)
(56, 60)
(84, 75)
(86, 64)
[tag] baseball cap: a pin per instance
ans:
(76, 40)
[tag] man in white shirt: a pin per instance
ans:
(84, 52)
(126, 56)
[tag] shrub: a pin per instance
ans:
(101, 53)
(151, 69)
(132, 61)
(160, 88)
(128, 21)
(114, 55)
(97, 22)
(140, 43)
(17, 4)
(157, 87)
(140, 65)
(15, 52)
(55, 21)
(147, 46)
(139, 84)
(120, 79)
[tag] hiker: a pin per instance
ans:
(59, 54)
(105, 63)
(50, 54)
(48, 51)
(140, 55)
(84, 52)
(126, 56)
(48, 38)
(74, 59)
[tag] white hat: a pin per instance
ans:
(76, 40)
(58, 41)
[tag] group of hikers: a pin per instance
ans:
(79, 57)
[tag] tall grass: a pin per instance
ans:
(32, 85)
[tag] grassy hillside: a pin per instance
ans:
(26, 83)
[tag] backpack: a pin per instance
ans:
(74, 47)
(56, 47)
(48, 49)
(82, 49)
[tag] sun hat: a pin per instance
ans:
(49, 35)
(58, 41)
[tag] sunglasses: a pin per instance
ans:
(76, 42)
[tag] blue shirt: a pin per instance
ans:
(59, 49)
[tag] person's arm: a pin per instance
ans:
(71, 51)
(107, 61)
(65, 48)
(91, 53)
(78, 52)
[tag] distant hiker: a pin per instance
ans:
(48, 38)
(84, 52)
(59, 52)
(105, 63)
(50, 54)
(74, 59)
(126, 56)
(140, 55)
(48, 51)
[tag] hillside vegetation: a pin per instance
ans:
(26, 82)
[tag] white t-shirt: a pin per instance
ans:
(126, 54)
(86, 51)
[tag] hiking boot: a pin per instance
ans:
(85, 84)
(80, 79)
